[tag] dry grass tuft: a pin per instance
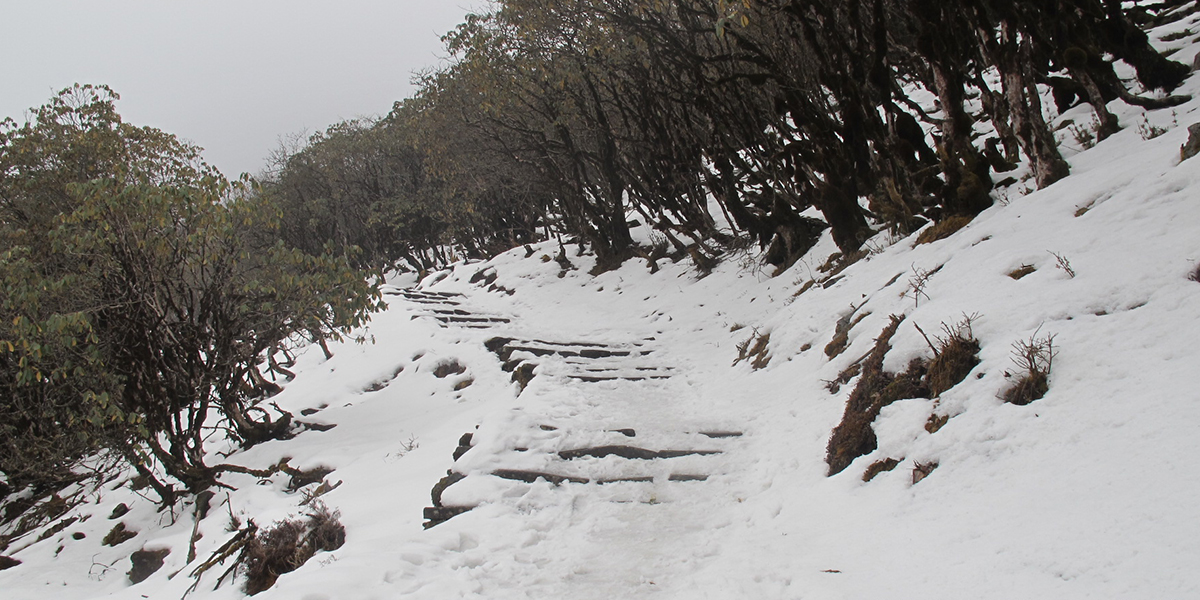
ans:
(843, 378)
(118, 535)
(756, 349)
(876, 388)
(936, 422)
(447, 368)
(880, 466)
(922, 470)
(838, 262)
(943, 229)
(1022, 271)
(841, 333)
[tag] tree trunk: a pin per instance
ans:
(1108, 123)
(1020, 92)
(968, 179)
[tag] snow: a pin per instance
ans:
(1088, 492)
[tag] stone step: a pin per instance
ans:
(436, 515)
(429, 293)
(615, 378)
(470, 320)
(589, 353)
(602, 378)
(631, 452)
(526, 476)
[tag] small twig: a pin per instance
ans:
(927, 340)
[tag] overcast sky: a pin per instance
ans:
(229, 75)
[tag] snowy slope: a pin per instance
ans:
(1088, 492)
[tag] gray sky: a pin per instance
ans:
(232, 76)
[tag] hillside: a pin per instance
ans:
(1082, 493)
(666, 432)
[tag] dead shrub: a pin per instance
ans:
(1064, 263)
(943, 229)
(1033, 359)
(288, 545)
(876, 388)
(955, 353)
(917, 283)
(880, 466)
(1195, 274)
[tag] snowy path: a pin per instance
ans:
(595, 484)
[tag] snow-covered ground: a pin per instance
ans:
(1089, 492)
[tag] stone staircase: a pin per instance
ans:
(573, 442)
(625, 461)
(445, 308)
(587, 362)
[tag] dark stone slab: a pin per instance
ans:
(721, 434)
(532, 476)
(436, 515)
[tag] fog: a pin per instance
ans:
(230, 76)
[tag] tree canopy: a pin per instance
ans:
(571, 117)
(143, 293)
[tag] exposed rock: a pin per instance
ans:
(450, 479)
(119, 511)
(1192, 146)
(146, 563)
